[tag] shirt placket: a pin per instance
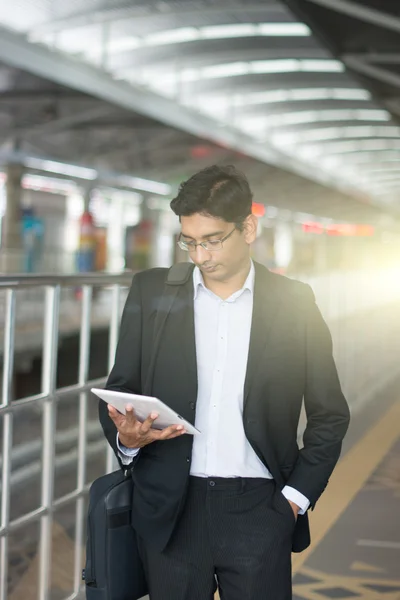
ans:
(215, 406)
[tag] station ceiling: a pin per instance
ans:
(161, 88)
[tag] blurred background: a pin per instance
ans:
(105, 107)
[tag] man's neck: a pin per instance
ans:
(225, 289)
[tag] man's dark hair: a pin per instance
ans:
(216, 191)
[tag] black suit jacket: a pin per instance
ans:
(290, 357)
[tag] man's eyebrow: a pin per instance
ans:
(208, 235)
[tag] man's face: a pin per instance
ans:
(234, 255)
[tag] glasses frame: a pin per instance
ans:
(193, 245)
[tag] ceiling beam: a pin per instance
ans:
(257, 82)
(380, 57)
(363, 13)
(362, 66)
(70, 121)
(16, 51)
(29, 95)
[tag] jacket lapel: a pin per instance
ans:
(188, 331)
(265, 307)
(181, 326)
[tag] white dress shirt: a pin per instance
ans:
(222, 333)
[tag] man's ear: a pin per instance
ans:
(250, 228)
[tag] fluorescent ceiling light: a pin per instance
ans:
(296, 95)
(336, 133)
(228, 31)
(309, 152)
(387, 169)
(61, 168)
(291, 65)
(348, 147)
(190, 34)
(351, 94)
(146, 185)
(322, 66)
(137, 183)
(260, 98)
(172, 36)
(274, 66)
(369, 157)
(284, 29)
(311, 116)
(361, 146)
(151, 186)
(228, 70)
(233, 69)
(189, 75)
(373, 115)
(123, 44)
(42, 182)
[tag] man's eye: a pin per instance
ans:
(212, 242)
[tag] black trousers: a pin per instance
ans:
(235, 534)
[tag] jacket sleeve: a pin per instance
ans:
(326, 408)
(126, 372)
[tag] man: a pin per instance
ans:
(239, 350)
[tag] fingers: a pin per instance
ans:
(130, 415)
(171, 432)
(114, 414)
(147, 424)
(129, 423)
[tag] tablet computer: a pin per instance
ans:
(143, 406)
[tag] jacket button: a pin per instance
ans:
(192, 405)
(187, 459)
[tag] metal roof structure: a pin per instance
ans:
(128, 86)
(365, 37)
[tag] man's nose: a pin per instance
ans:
(201, 255)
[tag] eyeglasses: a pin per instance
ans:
(209, 245)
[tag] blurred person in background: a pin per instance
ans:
(239, 350)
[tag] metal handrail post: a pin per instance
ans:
(84, 354)
(49, 373)
(112, 347)
(8, 368)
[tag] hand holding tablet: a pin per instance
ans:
(138, 426)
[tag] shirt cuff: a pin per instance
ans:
(294, 496)
(126, 454)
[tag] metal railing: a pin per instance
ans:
(47, 399)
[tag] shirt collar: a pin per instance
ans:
(198, 281)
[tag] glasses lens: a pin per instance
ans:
(183, 245)
(213, 245)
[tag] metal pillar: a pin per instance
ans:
(11, 239)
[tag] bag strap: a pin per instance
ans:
(178, 275)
